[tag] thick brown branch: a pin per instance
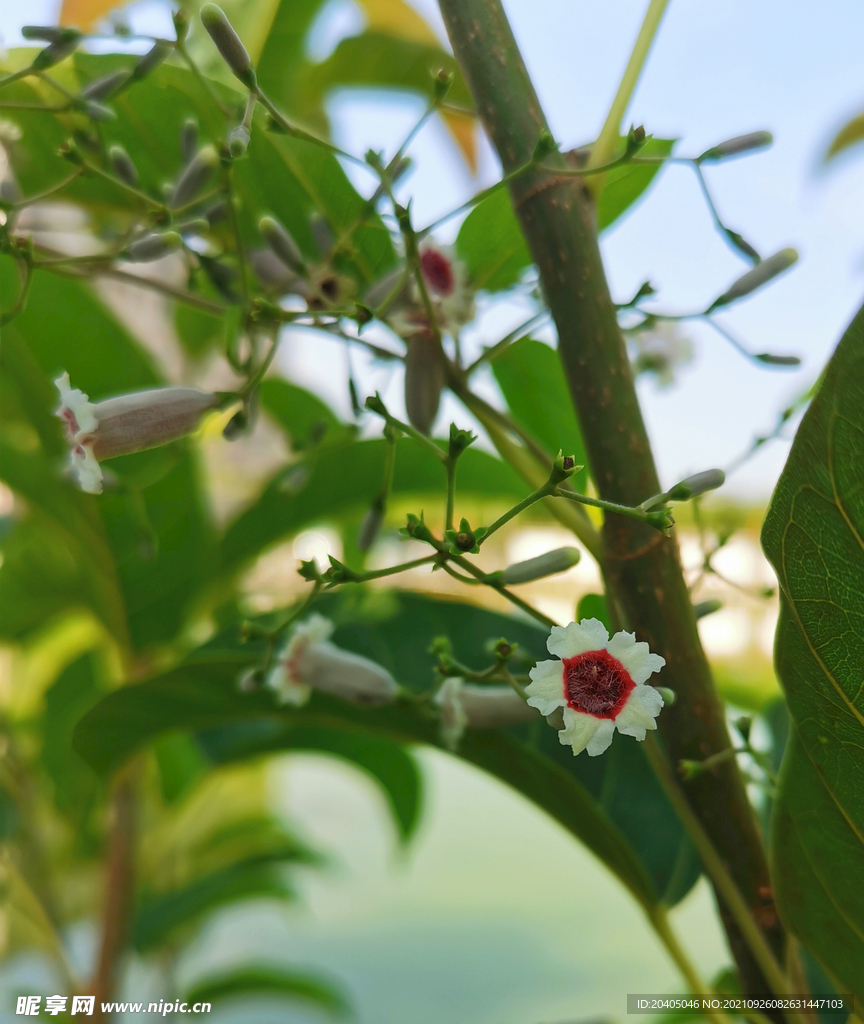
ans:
(558, 220)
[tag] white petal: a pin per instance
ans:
(577, 638)
(635, 657)
(288, 691)
(578, 729)
(546, 689)
(77, 403)
(316, 629)
(87, 470)
(602, 737)
(638, 714)
(453, 716)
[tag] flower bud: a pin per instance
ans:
(189, 139)
(308, 661)
(51, 33)
(459, 441)
(126, 424)
(771, 359)
(371, 525)
(699, 483)
(550, 564)
(55, 52)
(465, 705)
(106, 86)
(281, 242)
(154, 246)
(150, 61)
(424, 379)
(761, 274)
(228, 43)
(733, 147)
(704, 608)
(98, 112)
(122, 163)
(194, 177)
(238, 141)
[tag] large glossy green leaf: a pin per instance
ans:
(268, 981)
(339, 483)
(612, 803)
(387, 763)
(814, 536)
(490, 240)
(530, 375)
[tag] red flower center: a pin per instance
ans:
(596, 684)
(438, 271)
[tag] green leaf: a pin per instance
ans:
(529, 368)
(851, 134)
(160, 918)
(263, 980)
(625, 184)
(612, 804)
(180, 764)
(306, 420)
(814, 537)
(491, 245)
(340, 483)
(198, 331)
(490, 240)
(387, 763)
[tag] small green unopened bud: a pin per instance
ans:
(546, 145)
(744, 724)
(371, 525)
(181, 25)
(743, 246)
(734, 147)
(250, 680)
(776, 360)
(550, 564)
(441, 82)
(563, 467)
(54, 53)
(424, 379)
(228, 43)
(105, 86)
(236, 426)
(153, 247)
(51, 33)
(459, 441)
(194, 177)
(704, 608)
(691, 770)
(669, 696)
(122, 163)
(699, 483)
(189, 139)
(761, 274)
(69, 151)
(98, 112)
(635, 140)
(238, 141)
(281, 242)
(150, 61)
(309, 570)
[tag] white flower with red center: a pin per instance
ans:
(308, 661)
(447, 284)
(599, 683)
(79, 418)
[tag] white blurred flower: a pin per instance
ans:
(308, 662)
(599, 683)
(449, 290)
(661, 350)
(465, 705)
(126, 424)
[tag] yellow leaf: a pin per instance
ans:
(849, 135)
(85, 13)
(461, 127)
(398, 18)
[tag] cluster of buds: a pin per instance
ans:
(125, 424)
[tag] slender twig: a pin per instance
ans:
(490, 354)
(46, 193)
(202, 79)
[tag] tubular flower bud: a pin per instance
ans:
(699, 483)
(283, 245)
(105, 86)
(126, 424)
(194, 176)
(189, 139)
(150, 61)
(424, 379)
(308, 662)
(228, 43)
(154, 246)
(51, 33)
(123, 166)
(467, 706)
(553, 562)
(761, 274)
(55, 52)
(598, 683)
(238, 141)
(740, 144)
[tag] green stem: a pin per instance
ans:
(489, 580)
(476, 199)
(38, 197)
(547, 490)
(450, 467)
(18, 305)
(659, 918)
(607, 141)
(129, 189)
(716, 869)
(406, 428)
(392, 570)
(202, 79)
(607, 506)
(491, 354)
(299, 133)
